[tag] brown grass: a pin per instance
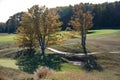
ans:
(10, 74)
(73, 76)
(110, 62)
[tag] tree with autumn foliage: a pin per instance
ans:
(82, 21)
(38, 25)
(46, 23)
(25, 35)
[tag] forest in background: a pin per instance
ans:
(106, 16)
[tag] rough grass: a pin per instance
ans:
(110, 64)
(72, 75)
(71, 47)
(12, 74)
(104, 42)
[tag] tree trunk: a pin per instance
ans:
(83, 42)
(43, 51)
(44, 56)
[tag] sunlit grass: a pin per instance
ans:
(7, 37)
(91, 33)
(70, 67)
(70, 34)
(103, 33)
(10, 63)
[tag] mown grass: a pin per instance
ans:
(7, 37)
(66, 67)
(103, 33)
(69, 34)
(10, 63)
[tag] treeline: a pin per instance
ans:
(11, 24)
(106, 16)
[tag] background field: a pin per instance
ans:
(4, 37)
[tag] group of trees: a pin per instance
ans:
(106, 15)
(11, 24)
(2, 27)
(39, 24)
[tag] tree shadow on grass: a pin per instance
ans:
(90, 63)
(90, 32)
(31, 63)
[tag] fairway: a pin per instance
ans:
(7, 37)
(103, 33)
(91, 34)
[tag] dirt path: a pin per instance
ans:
(61, 52)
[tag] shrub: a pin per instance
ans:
(1, 78)
(42, 72)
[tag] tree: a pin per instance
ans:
(82, 20)
(13, 22)
(2, 27)
(38, 24)
(26, 38)
(65, 15)
(46, 22)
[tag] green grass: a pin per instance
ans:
(65, 35)
(68, 35)
(103, 33)
(66, 67)
(10, 63)
(7, 37)
(109, 62)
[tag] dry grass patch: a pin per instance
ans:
(73, 76)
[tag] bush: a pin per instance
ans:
(1, 78)
(42, 73)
